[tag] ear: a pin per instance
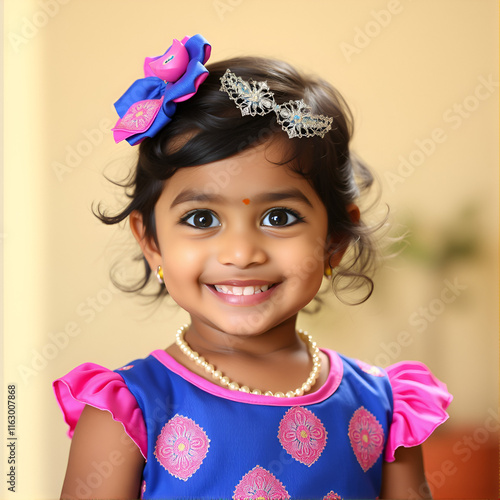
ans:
(353, 211)
(337, 248)
(148, 246)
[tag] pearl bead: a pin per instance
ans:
(227, 382)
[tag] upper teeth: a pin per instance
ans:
(241, 290)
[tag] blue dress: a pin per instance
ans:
(204, 441)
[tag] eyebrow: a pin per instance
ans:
(190, 195)
(289, 194)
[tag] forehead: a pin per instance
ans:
(256, 170)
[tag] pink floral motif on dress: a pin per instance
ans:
(372, 370)
(140, 115)
(366, 436)
(260, 484)
(332, 496)
(302, 435)
(181, 447)
(143, 489)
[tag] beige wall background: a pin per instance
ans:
(422, 80)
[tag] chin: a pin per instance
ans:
(253, 325)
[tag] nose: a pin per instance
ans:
(241, 248)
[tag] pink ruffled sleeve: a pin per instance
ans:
(94, 385)
(420, 401)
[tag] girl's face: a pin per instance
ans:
(242, 241)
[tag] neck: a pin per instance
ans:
(277, 340)
(224, 380)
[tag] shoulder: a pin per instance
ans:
(405, 477)
(106, 423)
(420, 403)
(93, 385)
(101, 449)
(362, 369)
(365, 378)
(365, 395)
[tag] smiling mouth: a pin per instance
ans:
(242, 290)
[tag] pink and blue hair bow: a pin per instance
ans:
(150, 102)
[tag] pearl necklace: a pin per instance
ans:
(234, 386)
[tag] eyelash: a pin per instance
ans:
(298, 218)
(185, 218)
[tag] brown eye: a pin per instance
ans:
(201, 219)
(281, 217)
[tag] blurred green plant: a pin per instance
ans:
(438, 246)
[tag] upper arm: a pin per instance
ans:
(405, 477)
(103, 462)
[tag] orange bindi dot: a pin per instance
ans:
(246, 201)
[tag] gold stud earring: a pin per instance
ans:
(159, 275)
(328, 272)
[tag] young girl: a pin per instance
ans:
(244, 199)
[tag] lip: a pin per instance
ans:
(243, 300)
(243, 283)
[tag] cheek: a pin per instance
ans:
(305, 260)
(181, 262)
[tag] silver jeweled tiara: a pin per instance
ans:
(255, 98)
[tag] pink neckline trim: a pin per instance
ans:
(326, 390)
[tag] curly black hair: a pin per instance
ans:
(209, 127)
